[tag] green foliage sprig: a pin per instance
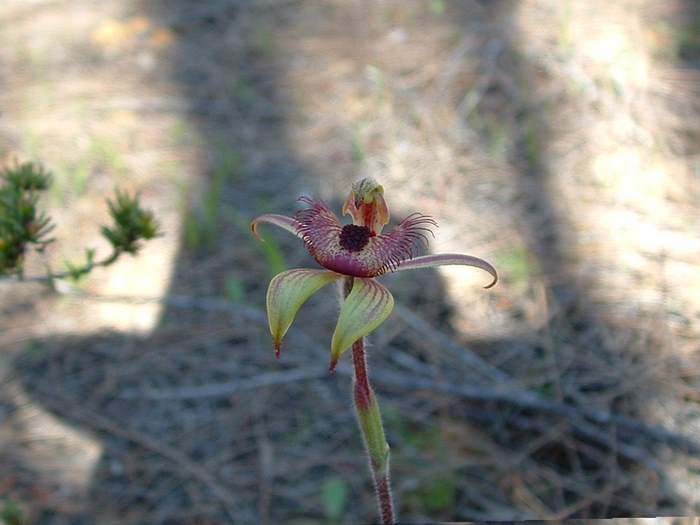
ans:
(24, 226)
(131, 224)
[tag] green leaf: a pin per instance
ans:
(287, 292)
(334, 495)
(367, 306)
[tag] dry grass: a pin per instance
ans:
(557, 139)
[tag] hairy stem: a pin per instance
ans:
(370, 420)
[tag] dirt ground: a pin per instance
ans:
(556, 139)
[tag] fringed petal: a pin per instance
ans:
(429, 261)
(365, 308)
(321, 231)
(318, 226)
(354, 250)
(391, 249)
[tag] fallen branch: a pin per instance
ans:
(95, 421)
(578, 418)
(506, 390)
(225, 389)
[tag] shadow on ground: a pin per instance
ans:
(257, 456)
(256, 453)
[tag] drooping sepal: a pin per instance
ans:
(365, 308)
(444, 259)
(284, 222)
(285, 295)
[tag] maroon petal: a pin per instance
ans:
(284, 222)
(352, 249)
(444, 259)
(318, 226)
(335, 247)
(397, 245)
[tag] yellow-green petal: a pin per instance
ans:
(364, 309)
(287, 292)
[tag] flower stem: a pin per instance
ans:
(370, 420)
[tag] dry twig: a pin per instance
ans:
(583, 419)
(98, 422)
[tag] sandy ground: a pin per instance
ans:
(556, 139)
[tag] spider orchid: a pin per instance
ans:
(355, 253)
(359, 252)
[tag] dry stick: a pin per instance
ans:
(386, 378)
(578, 422)
(227, 388)
(94, 420)
(508, 391)
(370, 419)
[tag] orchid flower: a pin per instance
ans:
(359, 251)
(355, 253)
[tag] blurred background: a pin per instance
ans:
(557, 139)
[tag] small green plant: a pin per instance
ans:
(437, 7)
(353, 255)
(270, 249)
(24, 226)
(202, 225)
(235, 290)
(10, 513)
(518, 264)
(334, 496)
(435, 494)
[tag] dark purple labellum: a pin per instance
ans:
(353, 238)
